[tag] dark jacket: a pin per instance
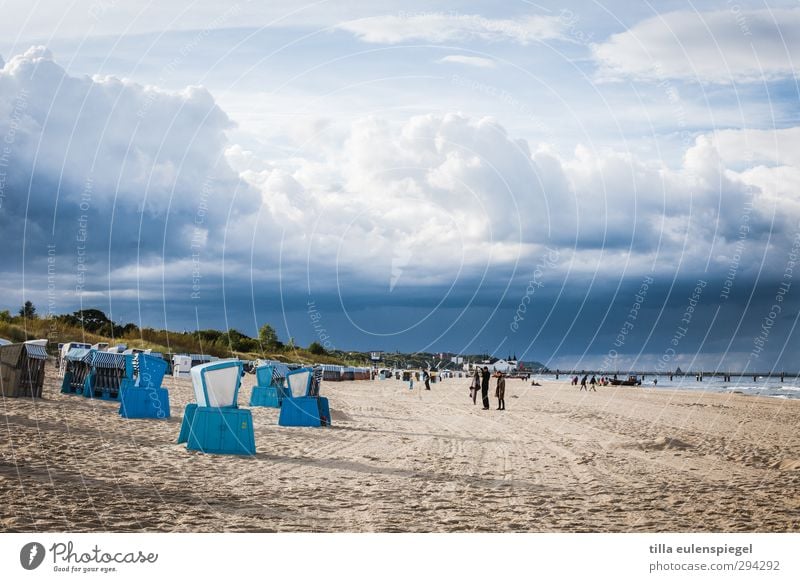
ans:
(500, 391)
(485, 380)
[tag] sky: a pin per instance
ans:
(602, 185)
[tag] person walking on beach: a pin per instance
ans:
(427, 378)
(475, 386)
(500, 391)
(592, 383)
(583, 384)
(485, 387)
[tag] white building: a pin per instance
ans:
(503, 366)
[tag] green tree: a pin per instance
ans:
(130, 329)
(246, 344)
(208, 335)
(28, 311)
(316, 348)
(239, 342)
(5, 316)
(268, 337)
(92, 320)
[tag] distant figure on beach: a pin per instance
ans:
(500, 391)
(655, 381)
(426, 377)
(583, 383)
(592, 383)
(485, 387)
(475, 386)
(574, 380)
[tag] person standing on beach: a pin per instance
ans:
(475, 386)
(427, 378)
(485, 387)
(500, 391)
(583, 384)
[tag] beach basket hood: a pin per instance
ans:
(80, 355)
(108, 360)
(271, 373)
(304, 382)
(216, 384)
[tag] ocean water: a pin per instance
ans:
(763, 386)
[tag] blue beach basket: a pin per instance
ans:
(269, 389)
(215, 424)
(145, 398)
(302, 405)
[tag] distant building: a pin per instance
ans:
(494, 364)
(502, 365)
(376, 356)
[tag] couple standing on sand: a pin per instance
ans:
(592, 383)
(480, 381)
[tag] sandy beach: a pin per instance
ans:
(618, 460)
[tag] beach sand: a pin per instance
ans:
(618, 460)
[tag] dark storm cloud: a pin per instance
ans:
(426, 233)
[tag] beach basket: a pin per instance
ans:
(145, 398)
(303, 406)
(332, 373)
(108, 373)
(269, 388)
(215, 424)
(22, 370)
(77, 367)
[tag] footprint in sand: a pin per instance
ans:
(662, 444)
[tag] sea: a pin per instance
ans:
(763, 385)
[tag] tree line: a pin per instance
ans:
(97, 322)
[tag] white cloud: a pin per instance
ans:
(452, 186)
(768, 160)
(457, 196)
(442, 27)
(471, 61)
(79, 19)
(720, 47)
(754, 146)
(104, 147)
